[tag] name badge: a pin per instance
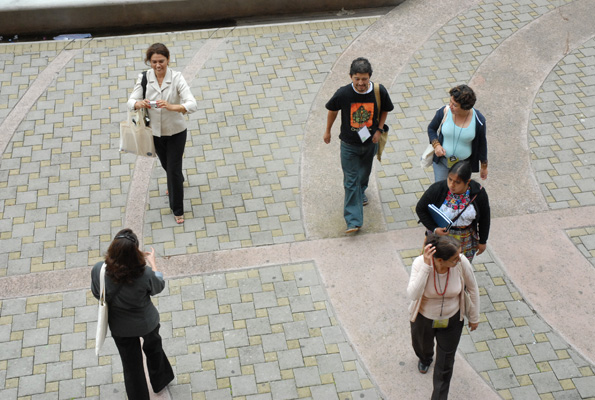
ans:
(452, 160)
(364, 134)
(440, 323)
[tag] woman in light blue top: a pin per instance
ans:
(462, 134)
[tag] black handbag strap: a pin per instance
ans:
(143, 83)
(468, 204)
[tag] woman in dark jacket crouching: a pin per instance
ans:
(459, 193)
(129, 285)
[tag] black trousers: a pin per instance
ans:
(170, 150)
(160, 371)
(447, 341)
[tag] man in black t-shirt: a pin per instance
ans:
(361, 127)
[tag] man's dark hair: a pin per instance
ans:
(360, 65)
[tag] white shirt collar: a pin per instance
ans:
(369, 89)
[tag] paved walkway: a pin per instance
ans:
(266, 298)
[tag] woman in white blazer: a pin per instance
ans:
(168, 98)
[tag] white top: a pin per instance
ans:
(174, 90)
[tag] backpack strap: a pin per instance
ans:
(377, 95)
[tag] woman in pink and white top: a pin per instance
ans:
(436, 289)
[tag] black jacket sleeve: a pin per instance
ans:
(434, 195)
(435, 124)
(483, 223)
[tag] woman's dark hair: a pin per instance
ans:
(156, 48)
(463, 95)
(360, 65)
(446, 246)
(124, 260)
(462, 169)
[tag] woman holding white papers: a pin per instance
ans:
(465, 202)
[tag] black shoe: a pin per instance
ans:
(422, 367)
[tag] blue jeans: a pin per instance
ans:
(440, 170)
(356, 162)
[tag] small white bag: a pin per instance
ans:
(102, 313)
(135, 136)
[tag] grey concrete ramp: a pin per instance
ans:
(507, 83)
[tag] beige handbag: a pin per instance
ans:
(135, 137)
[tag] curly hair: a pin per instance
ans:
(124, 261)
(463, 95)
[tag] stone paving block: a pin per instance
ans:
(19, 367)
(74, 341)
(47, 354)
(566, 395)
(324, 392)
(521, 335)
(221, 394)
(565, 369)
(32, 384)
(296, 330)
(290, 359)
(284, 389)
(503, 378)
(545, 382)
(182, 319)
(499, 319)
(523, 364)
(99, 375)
(244, 385)
(501, 348)
(274, 342)
(188, 363)
(329, 363)
(524, 393)
(203, 381)
(251, 355)
(228, 367)
(267, 372)
(212, 350)
(482, 361)
(235, 338)
(542, 352)
(585, 386)
(59, 371)
(347, 381)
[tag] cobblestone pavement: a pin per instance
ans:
(263, 333)
(266, 333)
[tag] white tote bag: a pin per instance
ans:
(427, 157)
(135, 137)
(101, 314)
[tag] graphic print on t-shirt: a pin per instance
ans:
(362, 114)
